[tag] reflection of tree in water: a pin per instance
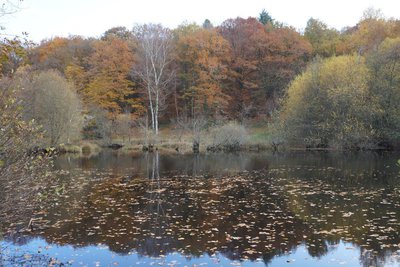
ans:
(368, 258)
(261, 214)
(195, 165)
(358, 207)
(176, 215)
(156, 243)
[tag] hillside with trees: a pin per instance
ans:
(320, 87)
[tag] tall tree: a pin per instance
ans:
(118, 32)
(110, 86)
(207, 24)
(283, 54)
(59, 52)
(202, 56)
(243, 36)
(367, 35)
(323, 39)
(264, 60)
(154, 58)
(265, 18)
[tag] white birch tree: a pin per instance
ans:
(152, 68)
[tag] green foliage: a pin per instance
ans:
(265, 18)
(207, 24)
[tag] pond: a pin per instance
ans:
(261, 209)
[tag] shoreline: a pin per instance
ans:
(88, 147)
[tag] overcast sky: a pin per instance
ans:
(48, 18)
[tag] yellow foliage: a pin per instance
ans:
(108, 84)
(330, 103)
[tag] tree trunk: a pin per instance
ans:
(156, 114)
(151, 106)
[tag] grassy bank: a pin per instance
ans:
(83, 147)
(256, 138)
(171, 140)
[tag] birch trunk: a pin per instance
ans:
(154, 57)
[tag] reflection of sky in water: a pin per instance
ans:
(356, 195)
(343, 254)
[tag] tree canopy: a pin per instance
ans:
(242, 69)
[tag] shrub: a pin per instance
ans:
(330, 105)
(229, 137)
(97, 125)
(53, 102)
(86, 149)
(385, 85)
(68, 148)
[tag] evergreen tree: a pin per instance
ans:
(207, 24)
(265, 18)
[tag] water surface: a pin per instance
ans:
(297, 209)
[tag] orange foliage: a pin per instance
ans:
(239, 69)
(264, 59)
(367, 35)
(59, 52)
(202, 55)
(109, 85)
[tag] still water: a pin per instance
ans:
(264, 209)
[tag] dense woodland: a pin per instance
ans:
(317, 88)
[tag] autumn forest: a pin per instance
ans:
(317, 88)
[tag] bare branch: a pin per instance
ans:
(153, 66)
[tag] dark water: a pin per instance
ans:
(298, 209)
